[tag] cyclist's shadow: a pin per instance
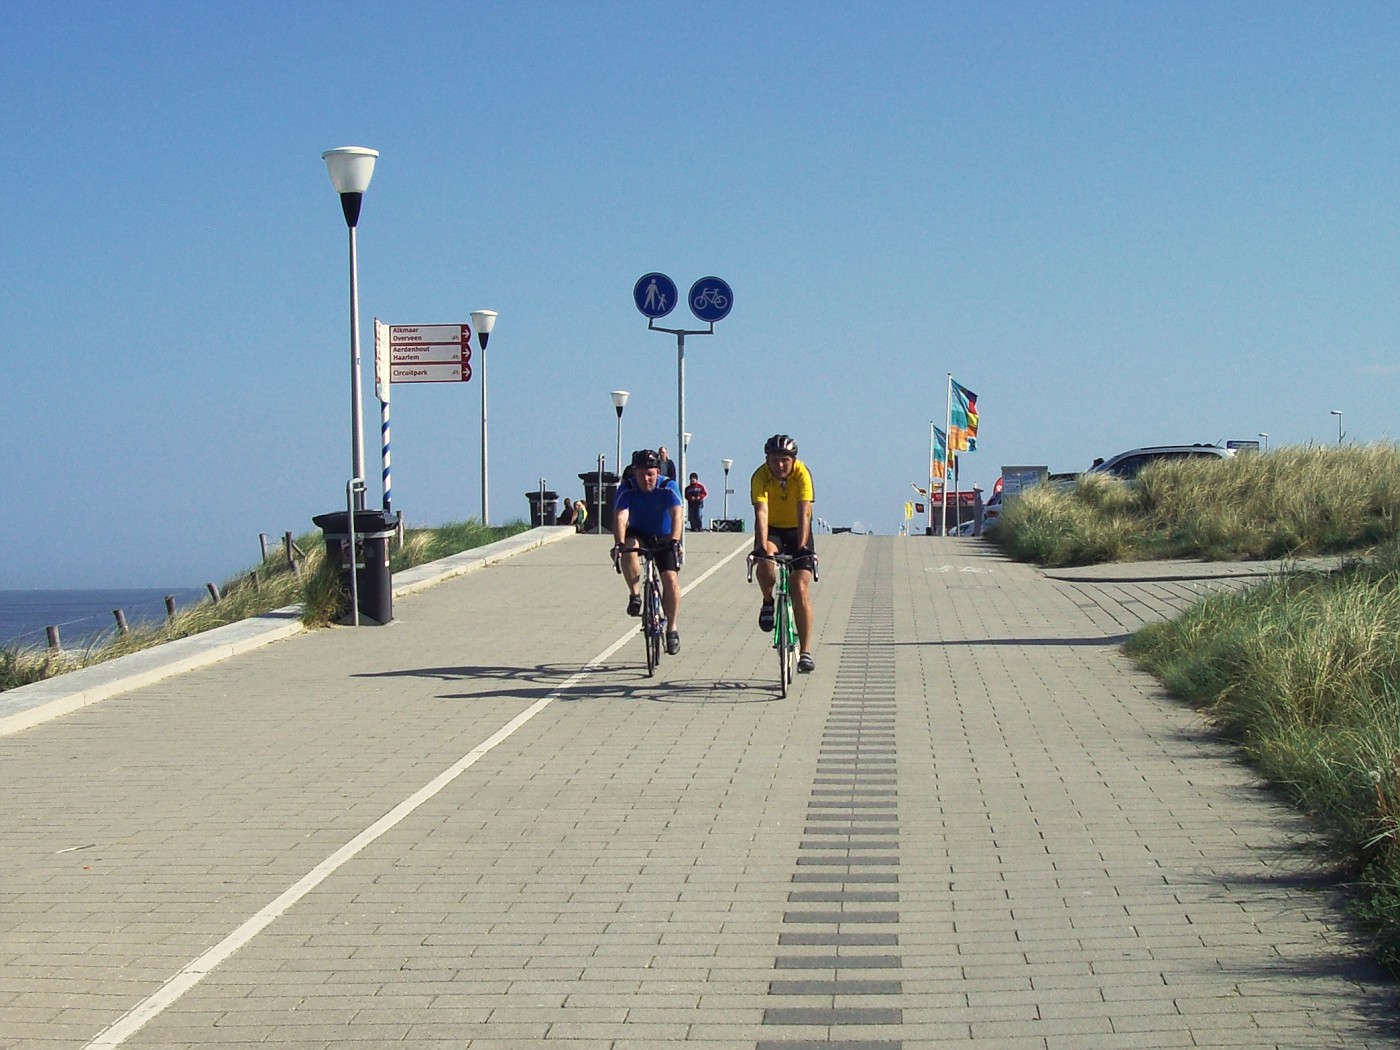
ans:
(601, 682)
(659, 690)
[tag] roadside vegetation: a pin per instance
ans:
(1302, 671)
(1291, 502)
(315, 585)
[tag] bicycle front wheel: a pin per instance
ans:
(651, 627)
(783, 629)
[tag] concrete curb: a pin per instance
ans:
(421, 577)
(30, 705)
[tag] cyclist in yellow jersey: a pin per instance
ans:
(781, 491)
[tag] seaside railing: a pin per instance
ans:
(295, 556)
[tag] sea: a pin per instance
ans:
(83, 616)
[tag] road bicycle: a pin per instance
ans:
(653, 614)
(784, 624)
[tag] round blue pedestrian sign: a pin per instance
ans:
(711, 299)
(654, 294)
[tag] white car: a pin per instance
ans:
(1127, 465)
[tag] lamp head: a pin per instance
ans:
(726, 463)
(483, 321)
(350, 168)
(619, 400)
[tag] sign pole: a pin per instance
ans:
(381, 391)
(710, 300)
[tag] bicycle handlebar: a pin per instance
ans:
(782, 559)
(649, 553)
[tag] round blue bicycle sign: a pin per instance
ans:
(711, 299)
(655, 295)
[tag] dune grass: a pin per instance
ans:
(1293, 501)
(317, 588)
(1302, 671)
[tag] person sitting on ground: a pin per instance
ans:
(649, 514)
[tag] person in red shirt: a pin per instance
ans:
(695, 500)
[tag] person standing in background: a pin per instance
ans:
(695, 494)
(668, 465)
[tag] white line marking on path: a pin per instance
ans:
(192, 973)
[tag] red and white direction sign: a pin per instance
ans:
(422, 353)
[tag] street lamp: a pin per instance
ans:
(619, 400)
(1338, 413)
(726, 464)
(351, 168)
(483, 321)
(1265, 437)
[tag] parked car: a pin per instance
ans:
(991, 514)
(1127, 465)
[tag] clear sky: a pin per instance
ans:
(1119, 223)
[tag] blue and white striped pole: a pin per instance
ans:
(381, 391)
(384, 433)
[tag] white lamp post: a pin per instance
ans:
(1338, 413)
(619, 400)
(726, 464)
(351, 168)
(482, 322)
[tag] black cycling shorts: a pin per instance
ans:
(662, 547)
(787, 543)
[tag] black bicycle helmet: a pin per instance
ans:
(645, 459)
(780, 445)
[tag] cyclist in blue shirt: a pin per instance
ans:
(648, 512)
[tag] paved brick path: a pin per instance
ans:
(483, 827)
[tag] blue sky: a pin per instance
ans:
(1120, 224)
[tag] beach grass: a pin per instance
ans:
(1290, 502)
(315, 585)
(1302, 671)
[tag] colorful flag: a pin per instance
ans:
(938, 456)
(962, 424)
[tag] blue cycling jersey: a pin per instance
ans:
(649, 512)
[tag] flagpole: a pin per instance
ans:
(928, 507)
(947, 452)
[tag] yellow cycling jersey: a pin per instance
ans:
(782, 497)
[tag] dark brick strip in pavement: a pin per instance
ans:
(857, 758)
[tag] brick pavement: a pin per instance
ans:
(975, 822)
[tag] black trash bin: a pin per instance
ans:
(373, 582)
(592, 482)
(546, 512)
